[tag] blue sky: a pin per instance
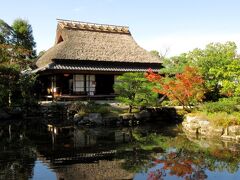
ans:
(174, 25)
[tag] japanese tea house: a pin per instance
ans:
(87, 57)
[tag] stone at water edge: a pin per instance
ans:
(77, 117)
(95, 118)
(142, 115)
(234, 130)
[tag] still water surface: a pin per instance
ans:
(30, 150)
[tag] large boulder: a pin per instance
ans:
(77, 117)
(215, 131)
(127, 116)
(144, 115)
(196, 124)
(204, 124)
(234, 130)
(95, 118)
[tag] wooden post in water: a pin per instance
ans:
(10, 132)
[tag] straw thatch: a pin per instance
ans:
(95, 42)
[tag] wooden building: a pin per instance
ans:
(87, 57)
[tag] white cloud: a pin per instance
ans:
(180, 43)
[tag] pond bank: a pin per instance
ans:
(198, 125)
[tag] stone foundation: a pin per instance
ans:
(199, 126)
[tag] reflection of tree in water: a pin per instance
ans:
(188, 161)
(177, 156)
(17, 156)
(178, 164)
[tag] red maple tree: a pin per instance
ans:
(186, 87)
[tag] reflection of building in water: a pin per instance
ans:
(100, 170)
(83, 139)
(121, 137)
(77, 137)
(83, 158)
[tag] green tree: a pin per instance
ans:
(9, 76)
(174, 65)
(16, 44)
(155, 53)
(212, 61)
(6, 34)
(230, 83)
(23, 36)
(134, 90)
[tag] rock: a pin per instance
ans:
(203, 123)
(4, 115)
(191, 124)
(191, 119)
(95, 118)
(238, 138)
(16, 111)
(226, 137)
(234, 130)
(127, 116)
(143, 115)
(111, 119)
(84, 120)
(215, 131)
(77, 117)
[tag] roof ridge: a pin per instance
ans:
(72, 24)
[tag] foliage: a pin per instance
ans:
(23, 36)
(186, 87)
(155, 53)
(26, 83)
(9, 76)
(16, 45)
(224, 119)
(220, 118)
(83, 108)
(227, 105)
(224, 112)
(174, 65)
(134, 90)
(213, 61)
(230, 83)
(217, 63)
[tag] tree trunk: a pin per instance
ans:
(162, 99)
(130, 109)
(9, 98)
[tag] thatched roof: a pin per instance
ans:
(95, 42)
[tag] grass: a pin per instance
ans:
(223, 119)
(224, 112)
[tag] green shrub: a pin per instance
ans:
(224, 119)
(101, 109)
(90, 107)
(220, 118)
(77, 106)
(228, 105)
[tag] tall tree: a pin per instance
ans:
(16, 45)
(6, 39)
(212, 61)
(23, 36)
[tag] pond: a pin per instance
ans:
(31, 150)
